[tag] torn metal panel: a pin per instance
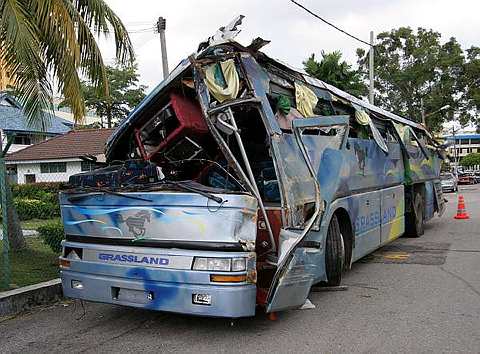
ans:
(165, 216)
(364, 104)
(298, 185)
(224, 34)
(260, 82)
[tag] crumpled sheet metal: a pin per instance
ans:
(298, 186)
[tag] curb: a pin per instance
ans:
(22, 299)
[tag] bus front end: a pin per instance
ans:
(168, 251)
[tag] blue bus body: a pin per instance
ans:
(226, 250)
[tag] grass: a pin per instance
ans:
(36, 264)
(33, 224)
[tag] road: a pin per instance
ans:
(416, 295)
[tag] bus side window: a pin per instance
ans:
(359, 131)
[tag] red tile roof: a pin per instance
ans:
(73, 144)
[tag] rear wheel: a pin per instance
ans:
(334, 253)
(415, 218)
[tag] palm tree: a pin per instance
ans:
(47, 43)
(52, 43)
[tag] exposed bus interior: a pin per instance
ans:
(173, 139)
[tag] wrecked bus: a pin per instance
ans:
(241, 182)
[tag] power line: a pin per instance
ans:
(143, 30)
(329, 23)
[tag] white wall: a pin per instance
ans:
(35, 139)
(33, 167)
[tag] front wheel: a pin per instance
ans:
(334, 253)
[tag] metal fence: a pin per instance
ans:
(26, 206)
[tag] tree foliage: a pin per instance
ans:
(472, 84)
(332, 70)
(413, 65)
(44, 39)
(125, 93)
(470, 160)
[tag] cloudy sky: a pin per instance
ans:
(294, 33)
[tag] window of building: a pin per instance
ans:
(22, 140)
(474, 141)
(88, 166)
(53, 167)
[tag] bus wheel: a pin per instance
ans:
(334, 253)
(415, 220)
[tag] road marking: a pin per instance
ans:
(396, 256)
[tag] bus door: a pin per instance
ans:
(300, 191)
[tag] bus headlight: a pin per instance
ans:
(219, 264)
(238, 264)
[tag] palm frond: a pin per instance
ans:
(57, 37)
(98, 15)
(21, 55)
(62, 53)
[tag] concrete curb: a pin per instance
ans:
(18, 300)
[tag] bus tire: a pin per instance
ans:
(334, 253)
(415, 219)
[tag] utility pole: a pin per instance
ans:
(423, 112)
(4, 203)
(455, 169)
(161, 26)
(370, 71)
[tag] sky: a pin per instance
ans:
(294, 33)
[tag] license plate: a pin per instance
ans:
(131, 295)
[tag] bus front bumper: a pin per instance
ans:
(230, 301)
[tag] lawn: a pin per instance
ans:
(33, 224)
(36, 264)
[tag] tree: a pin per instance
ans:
(470, 160)
(46, 43)
(413, 66)
(125, 93)
(40, 39)
(332, 70)
(472, 84)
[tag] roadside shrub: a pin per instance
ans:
(35, 209)
(37, 200)
(52, 234)
(41, 191)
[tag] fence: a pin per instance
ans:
(31, 230)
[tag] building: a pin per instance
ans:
(464, 144)
(461, 141)
(13, 123)
(66, 113)
(56, 159)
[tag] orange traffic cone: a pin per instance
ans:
(461, 211)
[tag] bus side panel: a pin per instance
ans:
(393, 213)
(429, 201)
(419, 168)
(367, 223)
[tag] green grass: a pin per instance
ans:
(35, 223)
(36, 264)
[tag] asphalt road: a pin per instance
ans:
(416, 295)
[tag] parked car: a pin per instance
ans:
(449, 182)
(477, 176)
(466, 178)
